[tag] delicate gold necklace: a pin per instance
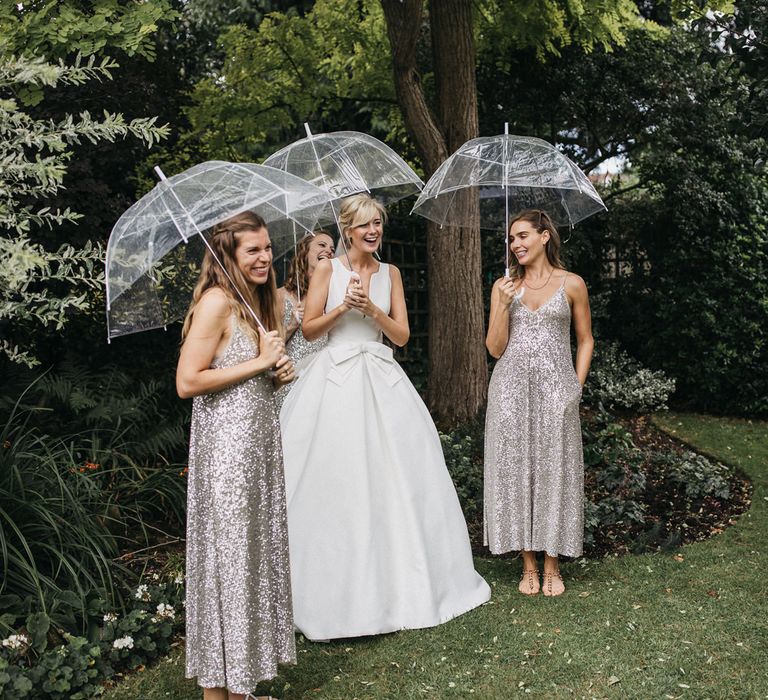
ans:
(533, 289)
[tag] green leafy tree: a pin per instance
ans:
(686, 217)
(324, 67)
(44, 48)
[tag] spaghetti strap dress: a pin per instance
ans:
(238, 597)
(534, 462)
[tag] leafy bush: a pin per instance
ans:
(614, 482)
(618, 381)
(462, 449)
(76, 668)
(693, 477)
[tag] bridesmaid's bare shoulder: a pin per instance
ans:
(575, 287)
(214, 301)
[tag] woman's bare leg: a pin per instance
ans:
(529, 581)
(215, 694)
(553, 582)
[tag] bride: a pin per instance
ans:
(376, 535)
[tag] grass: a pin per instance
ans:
(691, 624)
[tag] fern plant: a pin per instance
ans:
(81, 484)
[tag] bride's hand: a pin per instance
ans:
(353, 289)
(358, 299)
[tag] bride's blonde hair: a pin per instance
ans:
(358, 209)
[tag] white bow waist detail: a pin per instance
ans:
(376, 356)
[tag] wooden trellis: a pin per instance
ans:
(406, 248)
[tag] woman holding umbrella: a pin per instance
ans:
(378, 539)
(310, 250)
(239, 619)
(534, 464)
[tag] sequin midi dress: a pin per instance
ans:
(298, 348)
(534, 463)
(239, 616)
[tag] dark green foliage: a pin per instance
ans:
(691, 478)
(84, 475)
(643, 499)
(636, 499)
(462, 449)
(694, 300)
(76, 667)
(614, 484)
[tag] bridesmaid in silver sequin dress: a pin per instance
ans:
(310, 251)
(534, 464)
(238, 599)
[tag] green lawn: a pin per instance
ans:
(687, 625)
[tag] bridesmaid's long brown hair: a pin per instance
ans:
(299, 265)
(261, 298)
(541, 222)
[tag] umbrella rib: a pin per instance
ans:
(210, 250)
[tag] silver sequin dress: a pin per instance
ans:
(534, 464)
(239, 615)
(298, 348)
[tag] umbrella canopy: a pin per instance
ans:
(150, 275)
(344, 163)
(509, 174)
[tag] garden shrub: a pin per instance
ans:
(463, 452)
(692, 477)
(617, 381)
(76, 668)
(614, 482)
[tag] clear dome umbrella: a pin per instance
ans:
(155, 248)
(344, 163)
(507, 174)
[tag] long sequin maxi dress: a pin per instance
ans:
(534, 463)
(239, 615)
(298, 348)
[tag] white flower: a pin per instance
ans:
(123, 643)
(155, 576)
(142, 593)
(179, 579)
(165, 611)
(110, 617)
(16, 641)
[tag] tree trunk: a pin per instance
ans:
(458, 370)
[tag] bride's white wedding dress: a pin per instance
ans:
(376, 535)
